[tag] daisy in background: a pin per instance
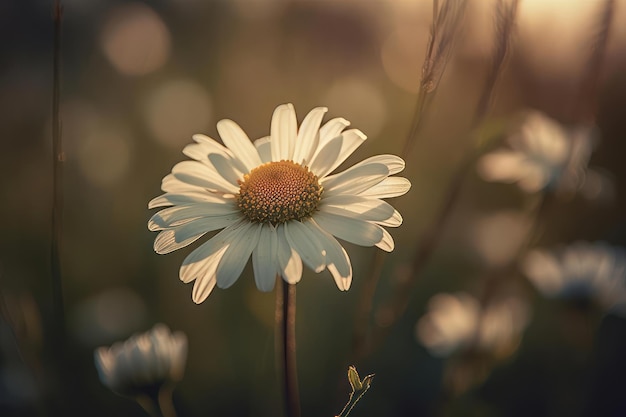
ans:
(581, 271)
(143, 364)
(277, 201)
(544, 155)
(457, 323)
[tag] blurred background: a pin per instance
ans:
(140, 77)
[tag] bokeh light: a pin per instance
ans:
(108, 316)
(176, 110)
(135, 40)
(370, 117)
(402, 56)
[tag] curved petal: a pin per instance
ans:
(354, 180)
(194, 263)
(264, 148)
(203, 147)
(304, 242)
(189, 197)
(265, 259)
(388, 188)
(177, 215)
(237, 141)
(289, 262)
(308, 135)
(337, 260)
(332, 129)
(369, 209)
(386, 243)
(393, 162)
(172, 239)
(226, 168)
(349, 229)
(200, 175)
(323, 161)
(352, 139)
(283, 131)
(237, 254)
(171, 184)
(205, 282)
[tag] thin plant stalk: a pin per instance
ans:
(285, 345)
(445, 25)
(591, 76)
(394, 309)
(158, 402)
(166, 401)
(57, 177)
(443, 32)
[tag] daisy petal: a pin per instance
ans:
(177, 215)
(323, 161)
(264, 259)
(369, 209)
(200, 175)
(349, 229)
(388, 188)
(171, 199)
(264, 148)
(354, 180)
(171, 184)
(206, 282)
(386, 243)
(196, 260)
(304, 242)
(226, 168)
(203, 147)
(289, 262)
(351, 140)
(308, 135)
(237, 141)
(337, 260)
(170, 240)
(283, 130)
(237, 254)
(332, 129)
(393, 162)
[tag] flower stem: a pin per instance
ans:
(285, 345)
(158, 402)
(57, 177)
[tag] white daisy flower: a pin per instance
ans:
(276, 200)
(542, 155)
(458, 322)
(450, 324)
(143, 363)
(592, 271)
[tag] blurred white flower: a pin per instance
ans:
(450, 324)
(276, 201)
(543, 155)
(581, 271)
(458, 322)
(143, 363)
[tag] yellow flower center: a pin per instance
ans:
(277, 192)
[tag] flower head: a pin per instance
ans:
(276, 201)
(458, 322)
(581, 271)
(543, 155)
(143, 363)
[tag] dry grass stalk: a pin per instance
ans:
(395, 307)
(443, 33)
(593, 70)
